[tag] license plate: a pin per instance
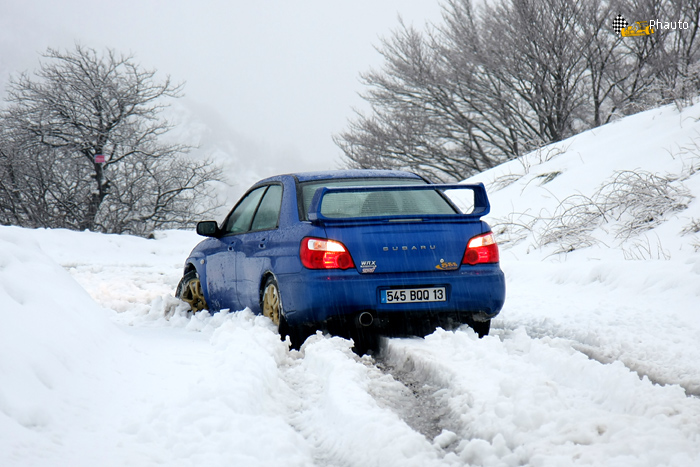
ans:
(426, 294)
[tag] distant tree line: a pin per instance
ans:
(81, 147)
(490, 83)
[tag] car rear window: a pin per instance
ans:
(375, 203)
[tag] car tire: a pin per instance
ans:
(271, 301)
(271, 305)
(190, 290)
(366, 342)
(481, 328)
(297, 334)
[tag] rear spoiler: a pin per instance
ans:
(481, 203)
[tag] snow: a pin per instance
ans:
(651, 279)
(593, 360)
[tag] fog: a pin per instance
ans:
(268, 83)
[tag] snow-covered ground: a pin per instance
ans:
(593, 360)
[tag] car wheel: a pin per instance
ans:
(271, 301)
(190, 290)
(272, 308)
(482, 328)
(366, 342)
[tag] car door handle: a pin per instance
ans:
(262, 243)
(230, 248)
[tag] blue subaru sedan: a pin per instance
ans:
(357, 253)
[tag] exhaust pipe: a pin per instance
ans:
(365, 319)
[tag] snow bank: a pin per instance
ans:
(52, 334)
(120, 272)
(644, 314)
(616, 294)
(320, 404)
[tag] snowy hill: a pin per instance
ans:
(593, 360)
(627, 190)
(615, 210)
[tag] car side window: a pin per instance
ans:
(269, 211)
(241, 217)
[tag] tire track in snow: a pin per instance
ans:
(597, 347)
(515, 400)
(422, 404)
(600, 355)
(345, 409)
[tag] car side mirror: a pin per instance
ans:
(208, 228)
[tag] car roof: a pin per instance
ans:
(344, 174)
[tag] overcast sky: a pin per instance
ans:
(279, 77)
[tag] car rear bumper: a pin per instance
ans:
(314, 296)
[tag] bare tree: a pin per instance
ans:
(78, 108)
(475, 91)
(491, 83)
(423, 116)
(676, 76)
(534, 48)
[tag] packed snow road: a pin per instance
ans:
(581, 368)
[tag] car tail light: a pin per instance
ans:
(481, 249)
(320, 253)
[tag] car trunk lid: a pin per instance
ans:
(412, 228)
